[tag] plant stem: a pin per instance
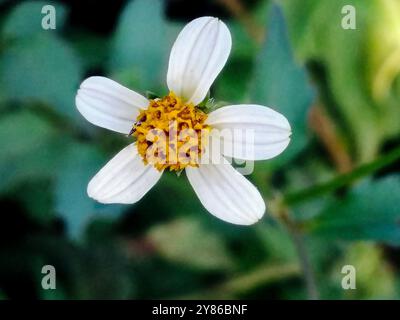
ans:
(304, 259)
(327, 133)
(244, 283)
(308, 272)
(342, 180)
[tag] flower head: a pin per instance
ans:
(173, 133)
(170, 134)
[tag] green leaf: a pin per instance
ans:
(105, 274)
(355, 66)
(23, 133)
(79, 164)
(83, 272)
(30, 148)
(229, 86)
(25, 20)
(369, 261)
(280, 83)
(277, 242)
(243, 45)
(42, 68)
(188, 242)
(37, 198)
(93, 49)
(369, 212)
(141, 46)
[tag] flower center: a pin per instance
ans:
(171, 134)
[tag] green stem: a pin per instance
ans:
(342, 180)
(283, 215)
(308, 272)
(242, 284)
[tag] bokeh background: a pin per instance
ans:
(333, 197)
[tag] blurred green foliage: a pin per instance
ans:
(167, 245)
(360, 65)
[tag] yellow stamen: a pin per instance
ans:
(171, 134)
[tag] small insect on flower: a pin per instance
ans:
(174, 133)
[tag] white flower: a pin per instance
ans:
(198, 55)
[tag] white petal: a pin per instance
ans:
(124, 179)
(107, 104)
(197, 57)
(264, 132)
(226, 194)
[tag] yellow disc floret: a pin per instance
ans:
(170, 134)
